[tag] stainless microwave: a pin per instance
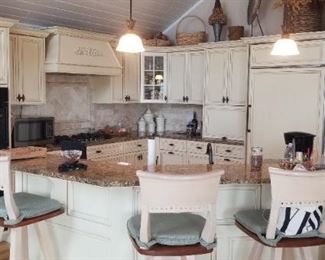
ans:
(33, 131)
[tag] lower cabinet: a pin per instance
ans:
(172, 157)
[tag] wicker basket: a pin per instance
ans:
(156, 42)
(235, 32)
(183, 38)
(307, 19)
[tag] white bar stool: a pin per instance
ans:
(289, 189)
(18, 210)
(165, 222)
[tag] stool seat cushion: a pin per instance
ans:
(256, 221)
(29, 206)
(170, 229)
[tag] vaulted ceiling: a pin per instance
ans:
(108, 16)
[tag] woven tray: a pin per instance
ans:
(26, 152)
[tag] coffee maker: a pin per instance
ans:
(303, 142)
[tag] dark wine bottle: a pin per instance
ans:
(194, 124)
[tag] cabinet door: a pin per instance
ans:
(216, 77)
(237, 76)
(173, 158)
(117, 83)
(31, 72)
(224, 121)
(176, 77)
(193, 158)
(4, 57)
(196, 74)
(131, 82)
(285, 100)
(15, 88)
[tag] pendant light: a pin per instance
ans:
(130, 42)
(285, 46)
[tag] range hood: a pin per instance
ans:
(80, 52)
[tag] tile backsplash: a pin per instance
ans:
(68, 99)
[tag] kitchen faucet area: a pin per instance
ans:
(150, 129)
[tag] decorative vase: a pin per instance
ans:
(217, 19)
(217, 29)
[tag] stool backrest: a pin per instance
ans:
(294, 188)
(6, 180)
(175, 193)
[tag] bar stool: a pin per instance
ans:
(289, 189)
(18, 210)
(165, 226)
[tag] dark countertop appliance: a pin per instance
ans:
(33, 131)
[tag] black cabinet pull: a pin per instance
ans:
(139, 145)
(157, 159)
(223, 99)
(228, 151)
(186, 98)
(127, 98)
(170, 153)
(227, 160)
(19, 97)
(23, 97)
(166, 98)
(139, 157)
(98, 151)
(198, 147)
(171, 144)
(227, 100)
(183, 98)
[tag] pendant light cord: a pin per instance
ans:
(131, 22)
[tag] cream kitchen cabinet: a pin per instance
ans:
(226, 76)
(224, 122)
(4, 57)
(123, 88)
(153, 77)
(172, 158)
(27, 69)
(186, 73)
(284, 100)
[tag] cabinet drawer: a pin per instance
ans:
(230, 160)
(105, 149)
(236, 151)
(197, 147)
(136, 146)
(311, 53)
(172, 145)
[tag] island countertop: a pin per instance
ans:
(107, 174)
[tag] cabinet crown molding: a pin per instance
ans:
(6, 22)
(25, 30)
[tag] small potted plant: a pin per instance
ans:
(301, 15)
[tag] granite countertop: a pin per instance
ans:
(107, 174)
(172, 135)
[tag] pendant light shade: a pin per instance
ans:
(130, 42)
(285, 47)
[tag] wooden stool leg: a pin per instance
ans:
(44, 239)
(256, 251)
(305, 253)
(19, 243)
(2, 229)
(277, 253)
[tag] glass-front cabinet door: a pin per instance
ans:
(153, 77)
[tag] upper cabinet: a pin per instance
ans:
(27, 57)
(226, 77)
(186, 77)
(311, 54)
(123, 88)
(153, 77)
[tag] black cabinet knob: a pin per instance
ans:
(170, 153)
(165, 98)
(183, 98)
(223, 99)
(23, 97)
(227, 100)
(186, 98)
(19, 97)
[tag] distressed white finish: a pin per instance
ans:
(102, 16)
(27, 69)
(79, 52)
(224, 121)
(181, 198)
(280, 98)
(314, 194)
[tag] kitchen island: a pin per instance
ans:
(100, 200)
